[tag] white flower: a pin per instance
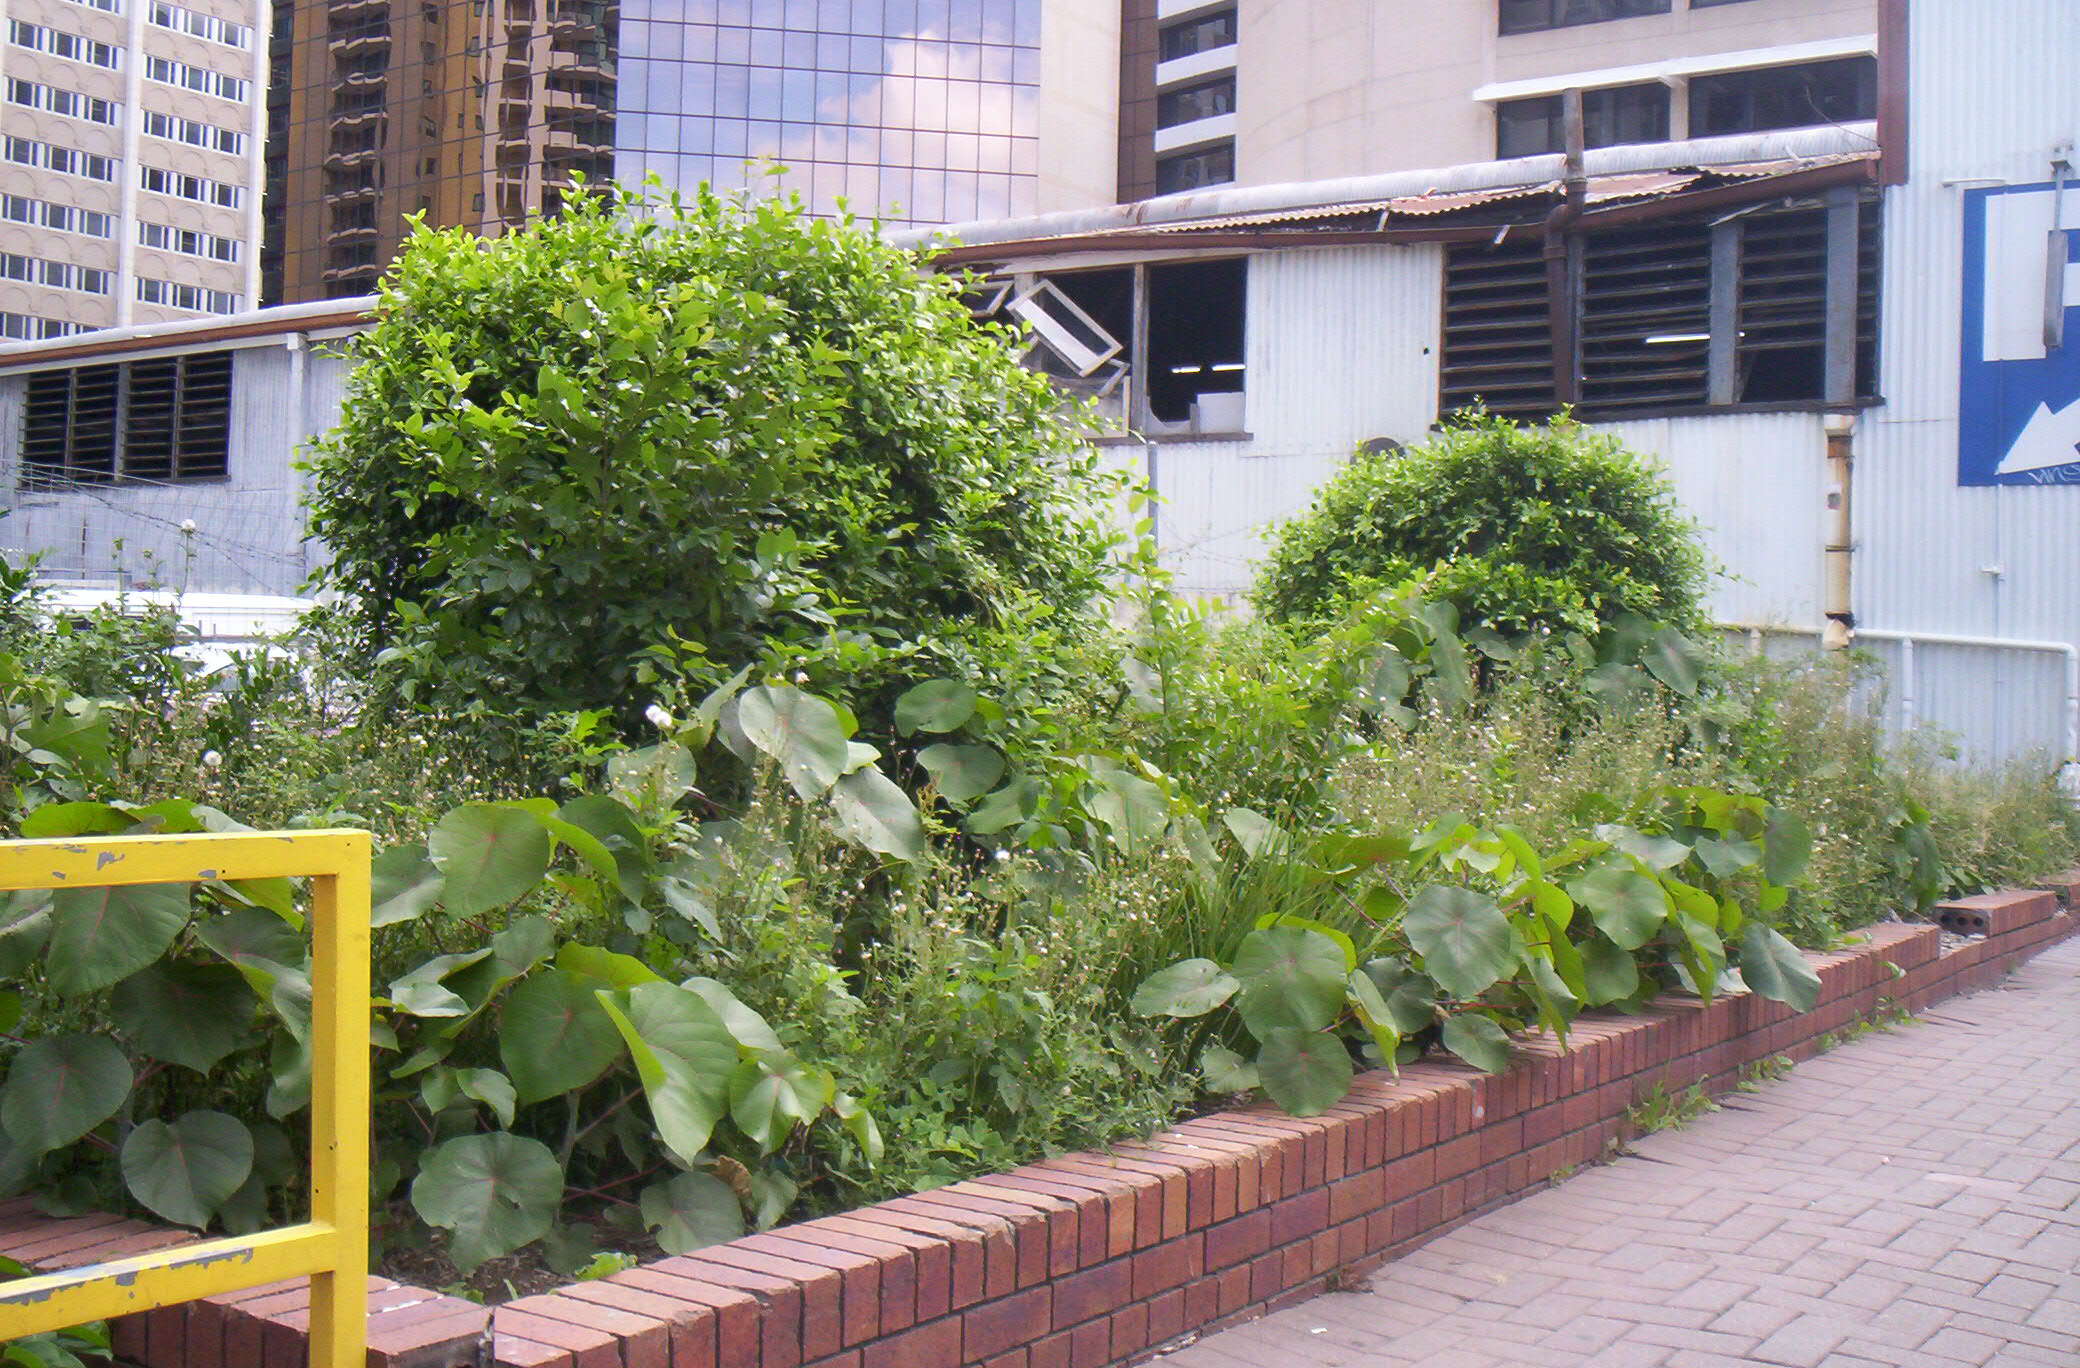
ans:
(801, 676)
(658, 717)
(212, 760)
(187, 527)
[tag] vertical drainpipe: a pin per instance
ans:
(1839, 385)
(1563, 290)
(1841, 544)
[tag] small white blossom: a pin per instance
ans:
(212, 760)
(187, 527)
(658, 717)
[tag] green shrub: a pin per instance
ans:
(1521, 528)
(668, 438)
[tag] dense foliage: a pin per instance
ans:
(765, 824)
(667, 438)
(1553, 527)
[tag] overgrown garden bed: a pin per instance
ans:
(775, 818)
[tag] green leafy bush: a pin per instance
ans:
(1521, 528)
(654, 438)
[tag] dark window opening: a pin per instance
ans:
(1784, 97)
(1620, 114)
(1188, 104)
(1192, 170)
(1644, 304)
(162, 420)
(1177, 365)
(1196, 35)
(1530, 16)
(1195, 338)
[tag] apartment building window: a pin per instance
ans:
(1201, 33)
(1784, 97)
(29, 328)
(176, 295)
(159, 420)
(69, 103)
(64, 160)
(1531, 16)
(198, 79)
(1188, 104)
(108, 6)
(200, 189)
(1707, 4)
(195, 133)
(65, 218)
(207, 27)
(187, 242)
(59, 275)
(1192, 170)
(1644, 307)
(59, 43)
(1619, 114)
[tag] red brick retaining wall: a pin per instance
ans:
(1088, 1260)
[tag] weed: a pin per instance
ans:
(1769, 1070)
(1662, 1110)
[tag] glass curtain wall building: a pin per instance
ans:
(475, 112)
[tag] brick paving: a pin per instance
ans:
(1911, 1198)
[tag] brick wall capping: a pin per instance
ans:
(1091, 1259)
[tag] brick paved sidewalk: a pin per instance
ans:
(1912, 1198)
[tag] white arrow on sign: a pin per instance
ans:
(2049, 439)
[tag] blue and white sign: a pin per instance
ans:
(2019, 381)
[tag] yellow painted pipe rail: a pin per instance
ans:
(332, 1247)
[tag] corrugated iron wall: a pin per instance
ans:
(242, 534)
(1341, 347)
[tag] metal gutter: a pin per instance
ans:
(188, 333)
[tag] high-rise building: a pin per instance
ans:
(475, 112)
(1216, 92)
(130, 146)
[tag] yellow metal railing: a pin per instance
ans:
(332, 1247)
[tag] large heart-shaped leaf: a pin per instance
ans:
(187, 1169)
(1411, 1005)
(962, 773)
(1675, 660)
(491, 1193)
(1610, 973)
(684, 1055)
(1305, 1072)
(187, 1014)
(101, 935)
(1657, 852)
(1787, 844)
(1188, 988)
(60, 1087)
(553, 1035)
(488, 855)
(690, 1211)
(1727, 856)
(1627, 905)
(873, 812)
(1134, 810)
(614, 827)
(937, 705)
(801, 732)
(1775, 968)
(1477, 1040)
(750, 1030)
(403, 885)
(652, 777)
(25, 929)
(1291, 977)
(420, 991)
(1465, 940)
(770, 1095)
(1228, 1072)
